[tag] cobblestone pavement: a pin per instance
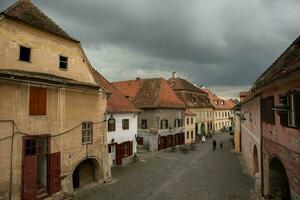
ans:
(201, 174)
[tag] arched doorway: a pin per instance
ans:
(255, 161)
(88, 171)
(278, 181)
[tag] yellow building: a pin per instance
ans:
(52, 114)
(197, 101)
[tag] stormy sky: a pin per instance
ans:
(221, 44)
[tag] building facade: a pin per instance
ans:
(189, 128)
(160, 124)
(196, 100)
(49, 97)
(122, 125)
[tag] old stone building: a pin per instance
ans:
(196, 100)
(160, 124)
(52, 109)
(122, 125)
(279, 91)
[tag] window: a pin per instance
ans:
(63, 62)
(187, 121)
(187, 135)
(291, 112)
(177, 123)
(87, 132)
(125, 124)
(164, 124)
(192, 135)
(144, 124)
(267, 113)
(111, 124)
(192, 120)
(193, 100)
(25, 54)
(37, 101)
(30, 147)
(126, 146)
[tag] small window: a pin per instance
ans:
(63, 62)
(187, 121)
(291, 112)
(111, 124)
(177, 123)
(144, 124)
(187, 135)
(30, 147)
(126, 146)
(125, 124)
(192, 134)
(192, 120)
(87, 132)
(25, 54)
(164, 124)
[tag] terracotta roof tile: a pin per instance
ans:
(218, 103)
(191, 95)
(28, 13)
(287, 63)
(150, 93)
(116, 103)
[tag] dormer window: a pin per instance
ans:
(63, 62)
(25, 53)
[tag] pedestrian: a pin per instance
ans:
(221, 145)
(214, 145)
(203, 139)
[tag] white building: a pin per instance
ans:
(121, 120)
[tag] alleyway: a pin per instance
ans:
(201, 174)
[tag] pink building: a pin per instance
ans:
(278, 92)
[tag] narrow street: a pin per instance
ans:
(200, 174)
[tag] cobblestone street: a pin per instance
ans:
(200, 174)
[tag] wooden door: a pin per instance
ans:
(119, 154)
(86, 173)
(54, 173)
(29, 177)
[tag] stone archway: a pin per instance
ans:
(86, 172)
(255, 161)
(278, 181)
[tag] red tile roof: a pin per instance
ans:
(191, 95)
(26, 12)
(288, 62)
(116, 103)
(150, 93)
(219, 103)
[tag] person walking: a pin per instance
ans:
(214, 145)
(221, 145)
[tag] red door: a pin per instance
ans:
(29, 177)
(119, 153)
(54, 173)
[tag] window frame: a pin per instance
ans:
(29, 56)
(164, 124)
(292, 110)
(110, 126)
(125, 124)
(144, 123)
(87, 132)
(63, 62)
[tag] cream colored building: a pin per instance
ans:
(222, 112)
(52, 110)
(189, 127)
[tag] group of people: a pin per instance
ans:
(215, 145)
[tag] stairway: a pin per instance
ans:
(41, 192)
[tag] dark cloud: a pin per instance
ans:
(213, 43)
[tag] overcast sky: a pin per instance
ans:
(224, 45)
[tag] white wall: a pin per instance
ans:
(121, 135)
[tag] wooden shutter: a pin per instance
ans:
(37, 101)
(33, 100)
(297, 108)
(130, 148)
(54, 173)
(42, 101)
(29, 177)
(119, 154)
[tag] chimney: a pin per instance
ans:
(174, 74)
